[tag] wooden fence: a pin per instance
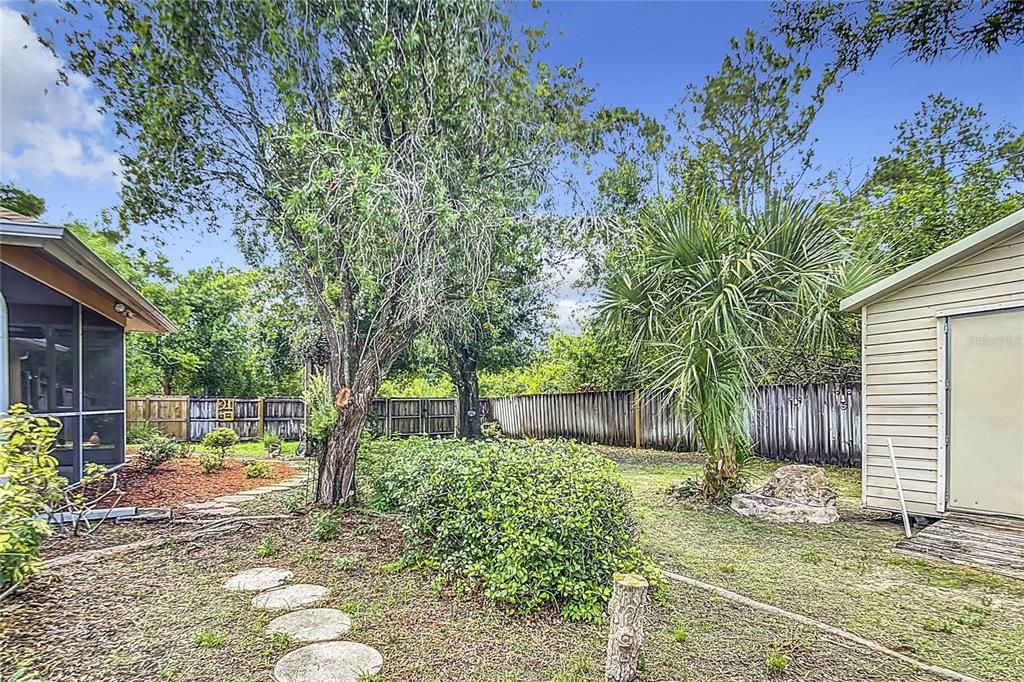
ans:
(812, 424)
(192, 417)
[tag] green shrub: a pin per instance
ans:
(532, 523)
(271, 442)
(140, 433)
(211, 461)
(321, 414)
(157, 449)
(324, 525)
(220, 440)
(29, 484)
(254, 468)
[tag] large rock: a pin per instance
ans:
(801, 483)
(796, 493)
(774, 510)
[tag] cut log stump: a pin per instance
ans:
(626, 611)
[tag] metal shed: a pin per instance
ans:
(943, 377)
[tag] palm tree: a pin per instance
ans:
(707, 288)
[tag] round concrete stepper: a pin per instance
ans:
(258, 579)
(220, 511)
(329, 662)
(311, 625)
(233, 499)
(289, 597)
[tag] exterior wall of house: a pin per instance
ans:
(904, 367)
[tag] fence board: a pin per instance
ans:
(168, 413)
(812, 423)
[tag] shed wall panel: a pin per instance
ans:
(901, 370)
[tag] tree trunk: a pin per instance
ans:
(462, 367)
(336, 479)
(720, 471)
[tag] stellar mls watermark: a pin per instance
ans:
(996, 340)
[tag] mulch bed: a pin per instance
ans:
(180, 481)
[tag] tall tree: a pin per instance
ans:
(380, 148)
(923, 30)
(949, 173)
(745, 129)
(708, 287)
(20, 201)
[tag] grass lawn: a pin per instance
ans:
(161, 615)
(845, 574)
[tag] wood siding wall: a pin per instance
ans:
(814, 424)
(901, 371)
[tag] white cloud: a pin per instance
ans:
(45, 128)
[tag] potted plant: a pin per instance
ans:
(272, 443)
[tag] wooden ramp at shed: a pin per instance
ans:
(988, 543)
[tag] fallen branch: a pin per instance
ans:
(824, 627)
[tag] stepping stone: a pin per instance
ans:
(311, 625)
(290, 597)
(213, 504)
(258, 579)
(220, 511)
(329, 662)
(233, 499)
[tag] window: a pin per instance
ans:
(102, 363)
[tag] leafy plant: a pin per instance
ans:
(255, 468)
(207, 639)
(271, 442)
(324, 525)
(220, 439)
(777, 661)
(266, 548)
(532, 523)
(211, 461)
(29, 484)
(140, 433)
(157, 449)
(321, 413)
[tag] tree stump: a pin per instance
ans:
(626, 637)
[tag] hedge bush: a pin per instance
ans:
(532, 523)
(220, 439)
(157, 449)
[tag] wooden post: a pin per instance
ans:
(260, 415)
(626, 636)
(636, 419)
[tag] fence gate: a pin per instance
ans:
(413, 416)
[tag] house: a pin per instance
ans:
(63, 316)
(943, 377)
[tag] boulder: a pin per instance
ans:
(801, 483)
(775, 510)
(796, 493)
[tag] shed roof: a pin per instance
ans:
(968, 246)
(60, 245)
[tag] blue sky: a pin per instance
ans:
(639, 54)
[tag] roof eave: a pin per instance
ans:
(966, 247)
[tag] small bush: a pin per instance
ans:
(266, 548)
(254, 468)
(324, 525)
(31, 486)
(157, 449)
(140, 433)
(211, 461)
(220, 440)
(533, 523)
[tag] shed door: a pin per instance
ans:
(986, 413)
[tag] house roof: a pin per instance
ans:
(58, 244)
(940, 260)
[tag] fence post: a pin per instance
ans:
(626, 611)
(636, 418)
(260, 416)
